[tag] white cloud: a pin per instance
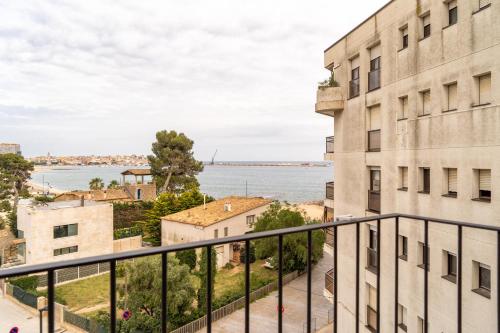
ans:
(102, 76)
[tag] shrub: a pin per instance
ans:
(243, 253)
(187, 257)
(27, 283)
(228, 266)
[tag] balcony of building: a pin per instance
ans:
(329, 100)
(329, 194)
(329, 148)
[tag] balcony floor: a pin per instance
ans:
(263, 314)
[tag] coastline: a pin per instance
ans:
(36, 188)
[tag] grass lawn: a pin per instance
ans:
(85, 293)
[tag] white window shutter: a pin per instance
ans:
(355, 62)
(404, 174)
(485, 89)
(426, 20)
(452, 180)
(452, 96)
(375, 52)
(374, 117)
(485, 180)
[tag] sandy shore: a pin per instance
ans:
(36, 188)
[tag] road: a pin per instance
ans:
(13, 315)
(263, 312)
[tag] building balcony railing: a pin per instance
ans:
(391, 223)
(330, 189)
(374, 80)
(329, 100)
(374, 140)
(329, 281)
(374, 201)
(354, 88)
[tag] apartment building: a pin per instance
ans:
(230, 216)
(417, 131)
(10, 148)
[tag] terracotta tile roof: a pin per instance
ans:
(215, 212)
(96, 195)
(137, 172)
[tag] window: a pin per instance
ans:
(375, 180)
(402, 317)
(354, 84)
(484, 89)
(452, 12)
(250, 219)
(421, 261)
(403, 179)
(372, 249)
(425, 97)
(482, 279)
(484, 3)
(451, 97)
(374, 191)
(451, 182)
(139, 194)
(65, 230)
(374, 74)
(425, 180)
(450, 266)
(226, 231)
(484, 184)
(403, 247)
(216, 233)
(426, 26)
(371, 307)
(403, 108)
(404, 37)
(420, 325)
(65, 250)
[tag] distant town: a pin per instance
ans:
(131, 160)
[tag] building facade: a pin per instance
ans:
(10, 148)
(417, 131)
(231, 216)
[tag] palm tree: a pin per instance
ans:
(96, 184)
(113, 184)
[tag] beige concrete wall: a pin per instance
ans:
(148, 191)
(465, 139)
(95, 230)
(127, 244)
(175, 233)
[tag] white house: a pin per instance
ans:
(230, 216)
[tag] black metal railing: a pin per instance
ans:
(374, 201)
(353, 88)
(374, 316)
(330, 144)
(374, 79)
(374, 140)
(330, 190)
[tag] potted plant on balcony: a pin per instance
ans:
(330, 82)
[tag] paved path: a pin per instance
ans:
(12, 314)
(263, 313)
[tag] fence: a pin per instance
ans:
(74, 273)
(85, 324)
(22, 296)
(226, 310)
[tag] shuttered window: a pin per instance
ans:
(354, 62)
(452, 96)
(483, 3)
(403, 107)
(452, 181)
(375, 52)
(485, 180)
(374, 118)
(484, 89)
(404, 178)
(426, 103)
(426, 23)
(372, 297)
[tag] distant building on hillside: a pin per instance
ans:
(10, 148)
(137, 190)
(231, 216)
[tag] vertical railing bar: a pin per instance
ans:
(426, 274)
(396, 275)
(247, 286)
(459, 280)
(112, 295)
(280, 284)
(51, 300)
(379, 269)
(309, 279)
(209, 289)
(357, 277)
(164, 288)
(335, 279)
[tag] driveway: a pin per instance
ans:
(13, 315)
(263, 312)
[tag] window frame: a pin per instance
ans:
(447, 90)
(452, 13)
(403, 111)
(65, 250)
(403, 247)
(426, 28)
(423, 253)
(404, 37)
(63, 231)
(402, 317)
(423, 105)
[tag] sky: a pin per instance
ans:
(102, 77)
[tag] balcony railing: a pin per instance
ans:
(329, 100)
(330, 189)
(329, 281)
(373, 317)
(354, 88)
(374, 140)
(374, 80)
(374, 201)
(330, 144)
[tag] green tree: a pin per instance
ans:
(187, 257)
(96, 184)
(243, 254)
(202, 274)
(172, 164)
(169, 203)
(141, 294)
(294, 245)
(113, 184)
(14, 172)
